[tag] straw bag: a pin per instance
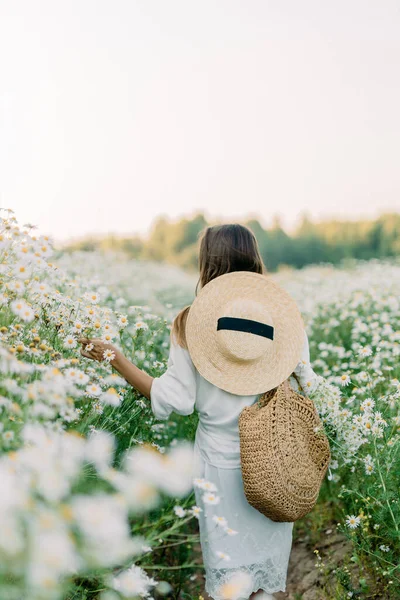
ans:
(284, 454)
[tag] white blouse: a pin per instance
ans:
(182, 389)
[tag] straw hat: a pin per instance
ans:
(244, 333)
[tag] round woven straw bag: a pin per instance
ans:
(284, 454)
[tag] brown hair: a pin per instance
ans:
(223, 249)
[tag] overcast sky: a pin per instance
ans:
(114, 111)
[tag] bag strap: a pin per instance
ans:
(264, 398)
(298, 383)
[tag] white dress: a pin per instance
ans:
(260, 547)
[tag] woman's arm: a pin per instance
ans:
(136, 377)
(131, 373)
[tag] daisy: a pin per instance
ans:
(122, 321)
(77, 327)
(22, 271)
(81, 378)
(111, 397)
(93, 390)
(223, 556)
(179, 511)
(16, 286)
(208, 486)
(365, 351)
(70, 342)
(108, 338)
(45, 250)
(108, 355)
(92, 297)
(367, 405)
(221, 521)
(195, 511)
(98, 408)
(198, 481)
(353, 521)
(231, 531)
(141, 325)
(344, 380)
(367, 425)
(8, 436)
(210, 498)
(303, 364)
(17, 306)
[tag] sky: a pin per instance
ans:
(113, 112)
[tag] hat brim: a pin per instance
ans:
(201, 334)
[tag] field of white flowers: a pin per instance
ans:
(95, 498)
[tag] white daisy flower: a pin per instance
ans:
(122, 321)
(195, 511)
(352, 521)
(365, 351)
(210, 498)
(92, 297)
(108, 355)
(22, 270)
(344, 380)
(198, 481)
(70, 342)
(223, 556)
(231, 531)
(17, 286)
(133, 582)
(111, 397)
(8, 436)
(93, 390)
(179, 511)
(208, 486)
(78, 327)
(367, 405)
(221, 521)
(27, 314)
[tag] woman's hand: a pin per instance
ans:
(131, 373)
(98, 350)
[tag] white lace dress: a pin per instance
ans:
(260, 547)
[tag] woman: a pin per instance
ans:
(235, 537)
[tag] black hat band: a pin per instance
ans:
(247, 325)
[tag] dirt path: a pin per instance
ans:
(305, 581)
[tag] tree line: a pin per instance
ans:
(328, 241)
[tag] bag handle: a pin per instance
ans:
(298, 383)
(267, 396)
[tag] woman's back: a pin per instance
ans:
(217, 435)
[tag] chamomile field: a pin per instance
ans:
(96, 495)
